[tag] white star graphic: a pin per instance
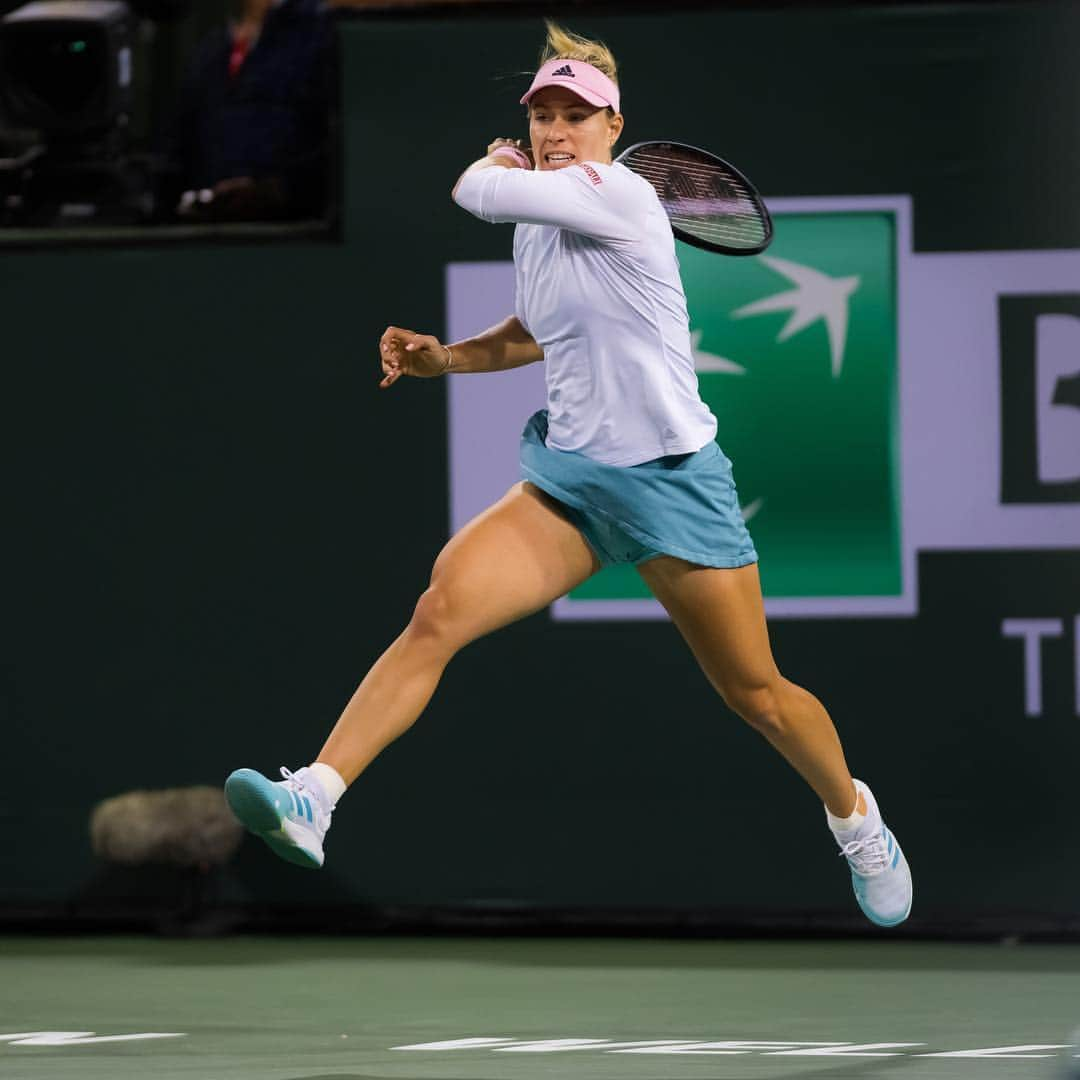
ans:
(817, 296)
(751, 508)
(707, 361)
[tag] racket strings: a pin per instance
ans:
(703, 200)
(695, 183)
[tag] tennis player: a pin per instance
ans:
(622, 466)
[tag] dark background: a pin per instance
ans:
(216, 522)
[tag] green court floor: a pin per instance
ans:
(514, 1009)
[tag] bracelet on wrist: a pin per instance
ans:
(449, 359)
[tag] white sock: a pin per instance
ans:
(848, 824)
(330, 780)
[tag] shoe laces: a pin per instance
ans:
(867, 856)
(302, 785)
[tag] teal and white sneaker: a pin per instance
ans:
(879, 872)
(291, 815)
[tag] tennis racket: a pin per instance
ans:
(709, 203)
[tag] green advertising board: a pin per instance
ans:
(796, 354)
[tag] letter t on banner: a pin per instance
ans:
(1032, 631)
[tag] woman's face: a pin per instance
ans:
(564, 130)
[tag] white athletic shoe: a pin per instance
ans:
(291, 815)
(879, 872)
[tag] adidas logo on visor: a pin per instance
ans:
(564, 70)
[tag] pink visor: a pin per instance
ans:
(587, 82)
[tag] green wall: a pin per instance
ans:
(216, 521)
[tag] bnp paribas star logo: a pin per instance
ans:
(796, 354)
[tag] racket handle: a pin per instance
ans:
(514, 154)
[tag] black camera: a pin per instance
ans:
(66, 98)
(66, 67)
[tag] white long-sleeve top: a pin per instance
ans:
(598, 288)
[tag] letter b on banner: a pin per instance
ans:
(1040, 398)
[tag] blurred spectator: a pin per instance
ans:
(253, 127)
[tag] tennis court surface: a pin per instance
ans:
(516, 1009)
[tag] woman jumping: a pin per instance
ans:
(622, 466)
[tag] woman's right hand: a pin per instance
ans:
(513, 144)
(404, 352)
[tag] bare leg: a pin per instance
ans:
(512, 560)
(393, 693)
(721, 615)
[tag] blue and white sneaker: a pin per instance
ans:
(879, 872)
(291, 815)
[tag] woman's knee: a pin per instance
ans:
(437, 620)
(760, 705)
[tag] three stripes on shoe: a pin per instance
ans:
(302, 805)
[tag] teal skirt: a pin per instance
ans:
(684, 505)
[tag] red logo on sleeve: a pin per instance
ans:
(591, 173)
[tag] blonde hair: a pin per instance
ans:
(563, 45)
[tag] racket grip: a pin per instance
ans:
(514, 154)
